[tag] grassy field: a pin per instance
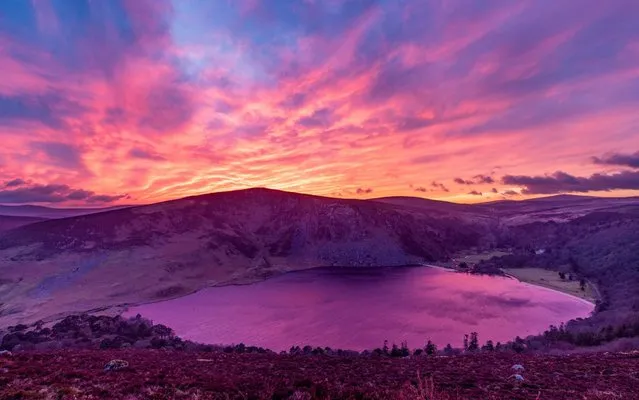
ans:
(160, 374)
(474, 258)
(551, 280)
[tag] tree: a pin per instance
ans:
(474, 342)
(431, 348)
(582, 284)
(463, 265)
(405, 352)
(448, 350)
(562, 275)
(489, 346)
(465, 342)
(385, 348)
(519, 345)
(399, 352)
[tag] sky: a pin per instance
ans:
(106, 102)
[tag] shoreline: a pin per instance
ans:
(551, 288)
(530, 282)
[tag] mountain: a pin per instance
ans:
(11, 222)
(168, 249)
(152, 252)
(426, 204)
(560, 208)
(49, 212)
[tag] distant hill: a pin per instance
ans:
(49, 212)
(560, 208)
(426, 204)
(11, 222)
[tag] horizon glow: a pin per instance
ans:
(130, 102)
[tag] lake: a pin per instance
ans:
(359, 308)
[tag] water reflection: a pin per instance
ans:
(359, 308)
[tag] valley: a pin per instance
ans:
(111, 260)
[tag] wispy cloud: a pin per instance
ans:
(164, 99)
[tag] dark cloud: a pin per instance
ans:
(619, 159)
(421, 189)
(15, 182)
(511, 193)
(52, 193)
(51, 109)
(320, 118)
(475, 193)
(60, 154)
(561, 182)
(439, 186)
(103, 198)
(494, 190)
(364, 190)
(463, 181)
(79, 194)
(479, 179)
(136, 152)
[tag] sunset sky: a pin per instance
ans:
(108, 102)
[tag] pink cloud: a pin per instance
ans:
(159, 102)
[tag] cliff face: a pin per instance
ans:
(168, 249)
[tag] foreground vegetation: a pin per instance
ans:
(68, 359)
(161, 374)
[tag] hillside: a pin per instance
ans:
(169, 249)
(561, 208)
(49, 212)
(12, 222)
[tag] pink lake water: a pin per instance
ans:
(359, 308)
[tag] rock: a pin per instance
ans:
(517, 367)
(142, 344)
(115, 365)
(50, 345)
